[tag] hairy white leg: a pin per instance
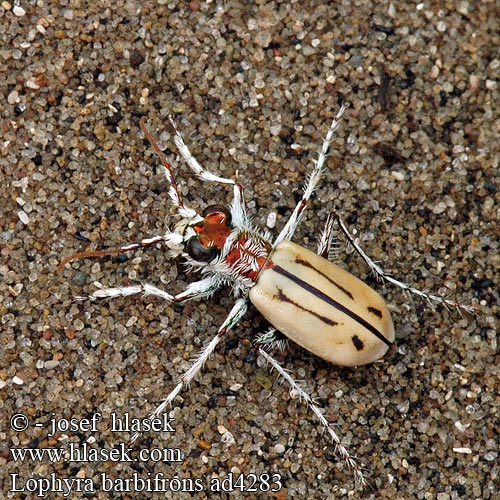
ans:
(270, 341)
(325, 241)
(193, 162)
(238, 211)
(196, 290)
(383, 275)
(184, 381)
(329, 246)
(125, 291)
(312, 180)
(238, 310)
(173, 192)
(340, 449)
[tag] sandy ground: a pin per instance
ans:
(413, 169)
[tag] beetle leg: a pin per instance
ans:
(325, 241)
(237, 312)
(271, 340)
(340, 449)
(192, 161)
(238, 211)
(383, 275)
(329, 246)
(196, 290)
(174, 194)
(312, 180)
(125, 291)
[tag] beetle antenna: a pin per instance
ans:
(169, 238)
(359, 471)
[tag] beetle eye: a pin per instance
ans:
(198, 252)
(214, 209)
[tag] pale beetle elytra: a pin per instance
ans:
(310, 300)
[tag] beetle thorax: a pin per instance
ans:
(248, 255)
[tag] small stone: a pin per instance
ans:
(204, 445)
(439, 208)
(271, 220)
(263, 381)
(31, 84)
(491, 84)
(275, 129)
(474, 82)
(463, 8)
(227, 438)
(441, 26)
(132, 321)
(464, 450)
(68, 14)
(13, 97)
(18, 11)
(23, 217)
(82, 473)
(263, 38)
(279, 449)
(51, 364)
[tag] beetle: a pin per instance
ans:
(309, 299)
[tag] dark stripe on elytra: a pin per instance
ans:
(375, 311)
(358, 343)
(322, 296)
(305, 263)
(283, 297)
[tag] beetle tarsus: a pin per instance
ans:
(430, 298)
(312, 181)
(340, 449)
(126, 291)
(238, 310)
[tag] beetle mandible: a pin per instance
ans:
(306, 297)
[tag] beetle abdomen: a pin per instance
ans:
(322, 307)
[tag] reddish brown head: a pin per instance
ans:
(211, 234)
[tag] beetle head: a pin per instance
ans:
(211, 234)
